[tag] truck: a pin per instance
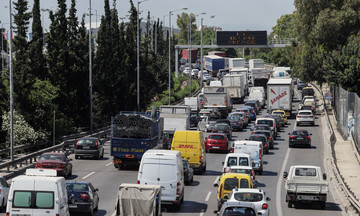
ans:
(187, 52)
(132, 134)
(192, 102)
(259, 75)
(214, 63)
(244, 80)
(236, 63)
(174, 118)
(306, 183)
(218, 53)
(280, 94)
(235, 87)
(217, 97)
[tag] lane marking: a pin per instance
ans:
(216, 180)
(208, 196)
(88, 175)
(108, 164)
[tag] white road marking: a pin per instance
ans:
(208, 196)
(88, 175)
(202, 212)
(216, 180)
(108, 164)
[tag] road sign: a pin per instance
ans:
(184, 83)
(241, 38)
(328, 96)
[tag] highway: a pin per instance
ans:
(200, 196)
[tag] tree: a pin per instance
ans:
(182, 22)
(285, 26)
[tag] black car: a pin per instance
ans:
(262, 138)
(299, 137)
(82, 197)
(257, 102)
(236, 122)
(301, 85)
(89, 146)
(194, 119)
(308, 91)
(188, 172)
(253, 105)
(268, 135)
(223, 128)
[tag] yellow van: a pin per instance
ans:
(230, 181)
(191, 145)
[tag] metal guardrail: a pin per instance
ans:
(350, 196)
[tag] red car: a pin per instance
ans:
(218, 142)
(58, 161)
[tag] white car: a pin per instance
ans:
(203, 72)
(206, 77)
(194, 72)
(186, 72)
(4, 192)
(305, 117)
(255, 196)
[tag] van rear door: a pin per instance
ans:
(45, 196)
(188, 144)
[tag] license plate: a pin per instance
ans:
(299, 138)
(215, 147)
(307, 198)
(72, 206)
(86, 147)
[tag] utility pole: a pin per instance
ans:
(11, 90)
(90, 68)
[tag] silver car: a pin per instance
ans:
(305, 117)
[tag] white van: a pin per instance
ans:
(39, 193)
(236, 159)
(254, 149)
(165, 168)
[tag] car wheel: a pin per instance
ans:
(290, 204)
(91, 212)
(97, 205)
(76, 157)
(70, 173)
(322, 205)
(290, 146)
(97, 157)
(313, 123)
(102, 155)
(207, 150)
(192, 179)
(204, 168)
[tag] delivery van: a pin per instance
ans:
(191, 145)
(164, 168)
(39, 193)
(230, 181)
(254, 149)
(236, 159)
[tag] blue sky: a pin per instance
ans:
(229, 14)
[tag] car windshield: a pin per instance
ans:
(57, 157)
(305, 172)
(76, 186)
(248, 197)
(217, 137)
(239, 211)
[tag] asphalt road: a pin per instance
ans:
(200, 196)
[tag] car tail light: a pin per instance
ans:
(232, 150)
(165, 140)
(243, 119)
(85, 196)
(260, 154)
(96, 144)
(77, 143)
(178, 189)
(298, 116)
(8, 214)
(38, 165)
(270, 138)
(252, 132)
(220, 192)
(61, 166)
(227, 130)
(311, 116)
(265, 206)
(266, 145)
(273, 125)
(138, 181)
(239, 122)
(307, 137)
(292, 137)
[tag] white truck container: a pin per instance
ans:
(258, 73)
(254, 149)
(236, 63)
(256, 63)
(217, 97)
(280, 94)
(280, 72)
(304, 183)
(258, 95)
(235, 88)
(244, 72)
(175, 118)
(192, 102)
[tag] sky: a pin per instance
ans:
(230, 15)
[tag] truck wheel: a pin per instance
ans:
(290, 204)
(322, 205)
(76, 157)
(207, 150)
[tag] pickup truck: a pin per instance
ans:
(306, 183)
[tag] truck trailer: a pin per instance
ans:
(280, 94)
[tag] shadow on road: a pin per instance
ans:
(269, 173)
(330, 206)
(186, 207)
(212, 173)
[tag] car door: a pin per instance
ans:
(101, 148)
(95, 196)
(4, 187)
(68, 165)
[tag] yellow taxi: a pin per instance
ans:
(228, 182)
(282, 113)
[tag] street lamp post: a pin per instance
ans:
(138, 58)
(201, 41)
(170, 13)
(90, 68)
(11, 91)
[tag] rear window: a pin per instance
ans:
(280, 113)
(263, 132)
(258, 138)
(243, 171)
(158, 172)
(216, 137)
(305, 172)
(305, 113)
(33, 199)
(262, 127)
(304, 133)
(234, 117)
(76, 186)
(267, 122)
(86, 142)
(239, 211)
(221, 127)
(248, 197)
(58, 157)
(231, 183)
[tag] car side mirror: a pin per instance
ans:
(268, 198)
(259, 213)
(96, 189)
(216, 212)
(285, 175)
(310, 134)
(70, 159)
(223, 163)
(324, 176)
(226, 197)
(205, 138)
(288, 133)
(216, 185)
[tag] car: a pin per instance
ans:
(261, 127)
(305, 117)
(82, 197)
(257, 102)
(188, 172)
(203, 73)
(4, 192)
(226, 121)
(181, 68)
(223, 128)
(194, 119)
(307, 91)
(281, 112)
(243, 169)
(218, 142)
(254, 196)
(89, 147)
(301, 85)
(211, 122)
(278, 120)
(206, 77)
(311, 108)
(268, 134)
(186, 71)
(244, 118)
(237, 208)
(246, 111)
(269, 121)
(263, 138)
(194, 72)
(307, 97)
(252, 112)
(253, 105)
(299, 137)
(57, 161)
(236, 122)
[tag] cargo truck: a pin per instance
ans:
(280, 94)
(214, 63)
(236, 63)
(244, 81)
(217, 97)
(187, 52)
(235, 87)
(258, 74)
(132, 134)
